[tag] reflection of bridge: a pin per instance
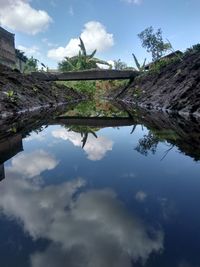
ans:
(11, 144)
(100, 122)
(86, 75)
(9, 147)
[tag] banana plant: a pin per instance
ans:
(139, 66)
(82, 61)
(84, 131)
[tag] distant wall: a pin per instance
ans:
(7, 48)
(20, 64)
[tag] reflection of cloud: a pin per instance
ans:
(140, 196)
(95, 148)
(36, 136)
(169, 209)
(91, 229)
(129, 175)
(32, 164)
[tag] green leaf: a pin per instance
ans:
(136, 62)
(82, 46)
(93, 53)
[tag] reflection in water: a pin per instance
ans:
(8, 149)
(122, 209)
(2, 172)
(95, 147)
(32, 164)
(93, 229)
(147, 144)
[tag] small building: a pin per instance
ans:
(21, 60)
(7, 48)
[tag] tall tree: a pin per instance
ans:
(120, 65)
(154, 43)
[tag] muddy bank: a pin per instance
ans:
(172, 129)
(180, 131)
(20, 93)
(175, 86)
(31, 121)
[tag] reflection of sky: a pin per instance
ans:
(121, 205)
(95, 148)
(94, 229)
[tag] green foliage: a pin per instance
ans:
(137, 92)
(154, 43)
(84, 131)
(139, 67)
(194, 48)
(82, 61)
(11, 95)
(119, 65)
(95, 89)
(85, 87)
(21, 55)
(157, 66)
(31, 65)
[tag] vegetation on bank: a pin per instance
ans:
(82, 61)
(162, 54)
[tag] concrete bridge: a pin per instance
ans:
(86, 75)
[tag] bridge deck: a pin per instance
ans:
(86, 75)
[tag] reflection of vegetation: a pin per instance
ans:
(147, 144)
(96, 109)
(150, 141)
(84, 131)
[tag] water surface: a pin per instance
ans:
(83, 195)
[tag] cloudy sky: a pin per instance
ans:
(49, 29)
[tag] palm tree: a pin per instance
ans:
(82, 61)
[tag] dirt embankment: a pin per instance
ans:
(174, 87)
(20, 93)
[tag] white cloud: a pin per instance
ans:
(49, 44)
(94, 36)
(32, 164)
(30, 51)
(95, 148)
(140, 196)
(19, 15)
(92, 229)
(71, 11)
(111, 62)
(136, 2)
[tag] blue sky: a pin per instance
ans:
(48, 29)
